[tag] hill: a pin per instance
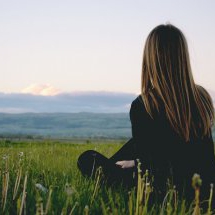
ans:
(66, 125)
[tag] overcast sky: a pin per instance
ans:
(50, 46)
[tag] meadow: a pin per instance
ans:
(43, 178)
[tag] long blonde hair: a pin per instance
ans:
(167, 75)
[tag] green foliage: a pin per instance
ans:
(42, 178)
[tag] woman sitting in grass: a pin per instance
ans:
(171, 124)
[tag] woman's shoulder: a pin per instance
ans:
(207, 100)
(138, 110)
(203, 92)
(205, 96)
(138, 100)
(138, 103)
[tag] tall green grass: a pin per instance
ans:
(42, 178)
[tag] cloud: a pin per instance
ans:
(41, 89)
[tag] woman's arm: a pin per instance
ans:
(141, 125)
(126, 152)
(127, 156)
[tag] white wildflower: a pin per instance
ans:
(69, 190)
(21, 154)
(41, 188)
(5, 157)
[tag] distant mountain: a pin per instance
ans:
(96, 102)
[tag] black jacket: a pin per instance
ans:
(165, 154)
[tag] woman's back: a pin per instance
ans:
(166, 154)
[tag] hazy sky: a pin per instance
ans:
(49, 46)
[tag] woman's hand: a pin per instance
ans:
(126, 164)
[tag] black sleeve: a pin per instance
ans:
(126, 152)
(129, 150)
(140, 125)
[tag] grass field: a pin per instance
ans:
(42, 178)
